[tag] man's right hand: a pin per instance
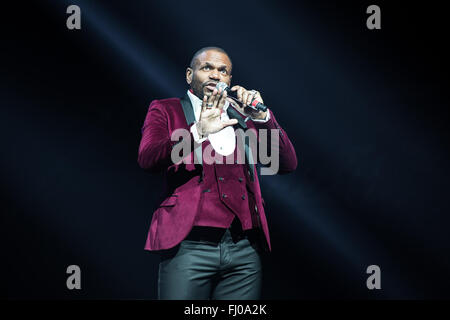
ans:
(212, 107)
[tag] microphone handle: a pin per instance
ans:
(255, 104)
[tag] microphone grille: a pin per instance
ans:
(221, 86)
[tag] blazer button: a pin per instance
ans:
(220, 178)
(224, 195)
(240, 179)
(243, 197)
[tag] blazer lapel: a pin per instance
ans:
(188, 110)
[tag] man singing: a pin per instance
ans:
(210, 229)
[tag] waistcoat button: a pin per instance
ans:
(224, 195)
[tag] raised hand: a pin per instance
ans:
(212, 106)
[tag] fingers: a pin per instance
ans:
(240, 91)
(258, 96)
(230, 122)
(212, 101)
(250, 97)
(246, 97)
(204, 102)
(216, 100)
(209, 102)
(222, 100)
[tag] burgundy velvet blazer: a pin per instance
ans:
(182, 188)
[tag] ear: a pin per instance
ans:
(189, 74)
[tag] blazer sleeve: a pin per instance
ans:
(288, 157)
(156, 145)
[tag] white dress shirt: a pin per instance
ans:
(223, 141)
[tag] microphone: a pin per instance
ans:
(255, 104)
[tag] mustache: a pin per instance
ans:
(214, 83)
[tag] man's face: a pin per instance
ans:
(210, 68)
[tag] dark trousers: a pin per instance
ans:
(212, 263)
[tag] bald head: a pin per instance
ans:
(195, 58)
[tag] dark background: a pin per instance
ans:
(366, 111)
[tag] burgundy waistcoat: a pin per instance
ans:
(220, 201)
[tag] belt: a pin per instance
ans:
(215, 234)
(208, 234)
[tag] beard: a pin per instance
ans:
(199, 88)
